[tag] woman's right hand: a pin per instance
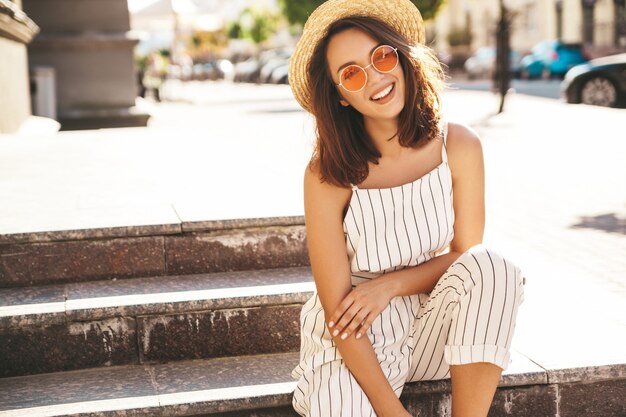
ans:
(360, 308)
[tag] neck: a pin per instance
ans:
(384, 134)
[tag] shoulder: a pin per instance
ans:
(463, 146)
(462, 138)
(319, 193)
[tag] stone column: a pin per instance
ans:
(88, 43)
(16, 31)
(572, 21)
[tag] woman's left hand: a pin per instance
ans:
(359, 308)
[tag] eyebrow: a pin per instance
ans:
(354, 63)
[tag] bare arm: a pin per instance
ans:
(365, 302)
(323, 206)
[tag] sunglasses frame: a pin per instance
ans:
(370, 65)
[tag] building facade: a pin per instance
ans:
(599, 24)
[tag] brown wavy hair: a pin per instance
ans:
(343, 147)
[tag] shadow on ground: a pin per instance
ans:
(610, 223)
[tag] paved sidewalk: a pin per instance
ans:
(556, 200)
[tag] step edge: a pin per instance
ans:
(226, 397)
(168, 229)
(137, 305)
(209, 396)
(208, 399)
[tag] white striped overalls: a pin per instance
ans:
(468, 317)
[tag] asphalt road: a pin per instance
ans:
(537, 88)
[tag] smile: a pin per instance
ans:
(383, 93)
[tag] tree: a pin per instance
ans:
(428, 8)
(234, 30)
(258, 24)
(297, 11)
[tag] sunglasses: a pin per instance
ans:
(384, 59)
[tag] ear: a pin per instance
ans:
(344, 103)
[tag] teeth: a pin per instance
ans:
(383, 93)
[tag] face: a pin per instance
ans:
(353, 46)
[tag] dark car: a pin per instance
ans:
(552, 58)
(601, 82)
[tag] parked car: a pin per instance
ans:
(600, 82)
(273, 59)
(482, 63)
(552, 58)
(280, 75)
(265, 76)
(206, 71)
(246, 71)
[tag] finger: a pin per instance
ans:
(340, 310)
(346, 319)
(354, 324)
(365, 325)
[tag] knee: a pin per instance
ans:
(490, 267)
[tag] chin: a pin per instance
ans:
(390, 112)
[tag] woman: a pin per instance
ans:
(394, 209)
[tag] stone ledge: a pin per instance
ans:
(211, 225)
(90, 234)
(587, 373)
(172, 228)
(57, 262)
(160, 319)
(29, 264)
(241, 385)
(103, 118)
(99, 300)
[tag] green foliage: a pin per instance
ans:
(428, 8)
(203, 43)
(141, 61)
(234, 30)
(258, 24)
(297, 11)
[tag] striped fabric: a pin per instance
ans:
(468, 317)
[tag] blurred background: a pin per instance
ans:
(148, 138)
(85, 64)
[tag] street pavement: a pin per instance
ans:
(538, 88)
(556, 191)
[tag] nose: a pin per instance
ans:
(373, 76)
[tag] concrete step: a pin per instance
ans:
(261, 385)
(30, 259)
(149, 320)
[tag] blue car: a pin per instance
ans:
(551, 59)
(601, 82)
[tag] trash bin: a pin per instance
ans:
(43, 91)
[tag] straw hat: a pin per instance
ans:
(402, 15)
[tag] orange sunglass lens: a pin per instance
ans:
(385, 59)
(353, 78)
